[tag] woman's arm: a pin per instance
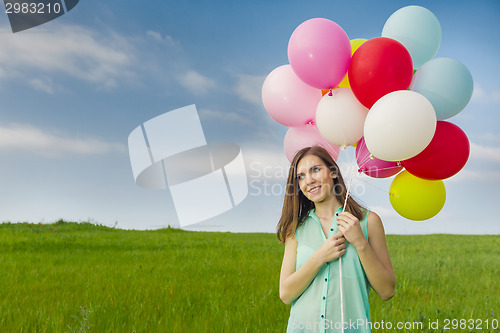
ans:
(294, 282)
(373, 255)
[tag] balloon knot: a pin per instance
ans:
(372, 157)
(343, 147)
(398, 163)
(360, 170)
(311, 122)
(330, 93)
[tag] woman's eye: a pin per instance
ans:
(316, 169)
(300, 177)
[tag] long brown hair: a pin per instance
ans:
(296, 206)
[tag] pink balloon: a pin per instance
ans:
(319, 52)
(372, 166)
(287, 99)
(297, 138)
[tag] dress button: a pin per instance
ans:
(331, 229)
(322, 316)
(324, 297)
(326, 279)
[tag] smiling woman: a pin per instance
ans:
(330, 251)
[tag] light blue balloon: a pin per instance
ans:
(418, 29)
(446, 83)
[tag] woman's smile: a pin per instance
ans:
(315, 189)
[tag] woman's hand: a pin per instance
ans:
(332, 248)
(349, 226)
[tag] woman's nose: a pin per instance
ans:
(310, 178)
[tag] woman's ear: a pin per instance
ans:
(333, 173)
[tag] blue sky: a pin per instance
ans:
(73, 89)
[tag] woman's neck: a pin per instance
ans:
(326, 209)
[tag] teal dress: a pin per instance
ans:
(317, 309)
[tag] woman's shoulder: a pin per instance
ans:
(374, 224)
(365, 214)
(372, 216)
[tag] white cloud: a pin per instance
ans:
(480, 95)
(475, 176)
(490, 154)
(496, 96)
(76, 51)
(158, 37)
(384, 212)
(487, 137)
(154, 34)
(231, 117)
(487, 156)
(43, 84)
(249, 88)
(268, 164)
(196, 82)
(19, 137)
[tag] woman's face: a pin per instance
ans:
(315, 179)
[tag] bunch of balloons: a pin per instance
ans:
(387, 96)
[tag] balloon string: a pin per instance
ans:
(364, 161)
(378, 188)
(366, 158)
(380, 169)
(341, 295)
(311, 123)
(340, 258)
(348, 190)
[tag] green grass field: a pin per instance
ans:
(69, 277)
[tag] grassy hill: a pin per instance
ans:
(70, 277)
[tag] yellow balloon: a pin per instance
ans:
(415, 198)
(355, 43)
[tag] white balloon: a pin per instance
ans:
(340, 117)
(399, 125)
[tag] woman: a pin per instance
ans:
(317, 231)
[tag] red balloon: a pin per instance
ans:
(444, 156)
(379, 66)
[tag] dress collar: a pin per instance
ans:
(312, 213)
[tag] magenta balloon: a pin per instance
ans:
(373, 166)
(319, 51)
(287, 99)
(297, 138)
